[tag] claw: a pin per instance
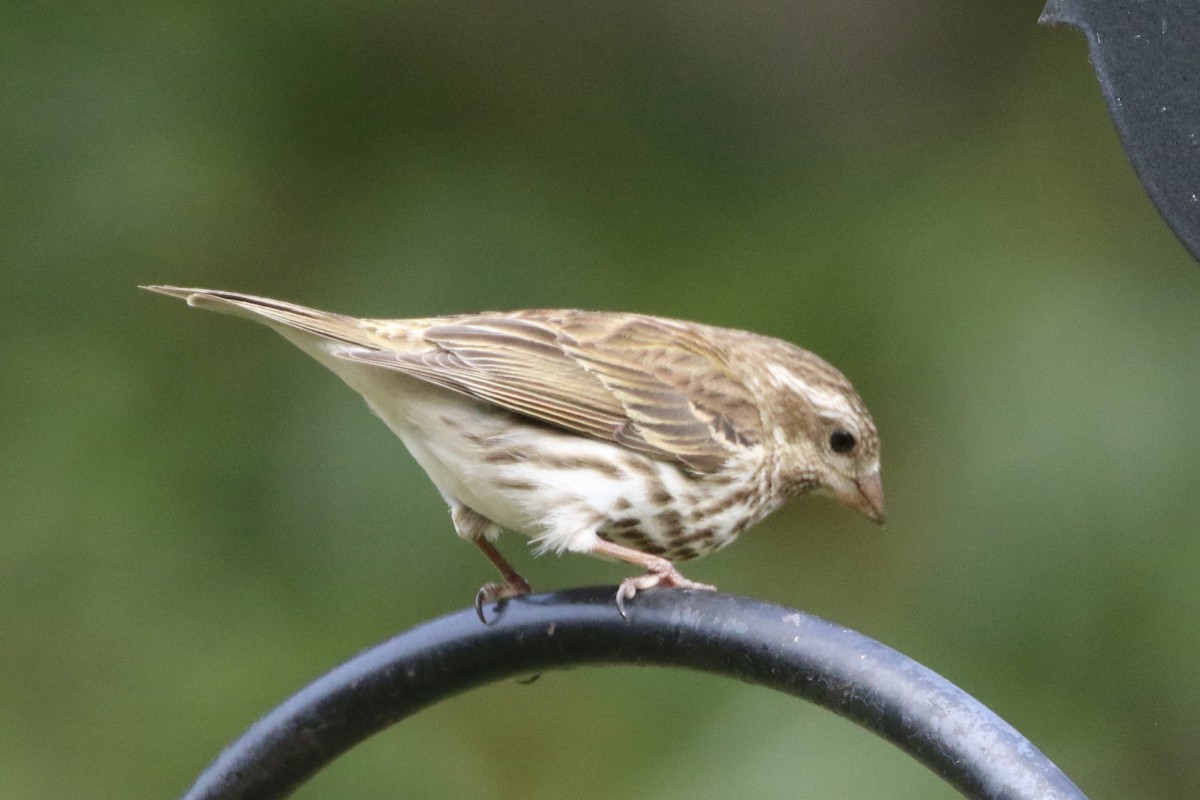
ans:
(480, 599)
(622, 592)
(492, 592)
(662, 573)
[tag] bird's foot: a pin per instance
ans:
(493, 592)
(660, 573)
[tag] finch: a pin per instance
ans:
(633, 438)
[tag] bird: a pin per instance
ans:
(634, 438)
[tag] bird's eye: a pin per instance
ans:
(841, 441)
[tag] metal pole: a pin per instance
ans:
(850, 674)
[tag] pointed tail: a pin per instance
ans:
(274, 312)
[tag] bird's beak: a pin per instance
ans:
(866, 495)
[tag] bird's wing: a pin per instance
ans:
(652, 385)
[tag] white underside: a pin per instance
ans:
(448, 434)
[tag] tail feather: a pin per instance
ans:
(324, 324)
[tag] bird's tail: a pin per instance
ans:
(276, 313)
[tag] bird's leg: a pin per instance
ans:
(474, 527)
(659, 572)
(514, 585)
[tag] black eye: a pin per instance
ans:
(841, 441)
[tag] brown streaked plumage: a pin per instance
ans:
(627, 436)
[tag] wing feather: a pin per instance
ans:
(656, 386)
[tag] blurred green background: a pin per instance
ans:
(197, 520)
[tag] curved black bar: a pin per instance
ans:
(854, 676)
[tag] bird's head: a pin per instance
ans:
(826, 441)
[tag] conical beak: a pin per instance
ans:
(867, 496)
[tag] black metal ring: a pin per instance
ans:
(850, 674)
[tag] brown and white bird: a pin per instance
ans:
(629, 437)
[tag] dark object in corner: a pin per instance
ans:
(1147, 59)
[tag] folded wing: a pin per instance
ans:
(652, 385)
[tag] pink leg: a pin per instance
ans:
(659, 572)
